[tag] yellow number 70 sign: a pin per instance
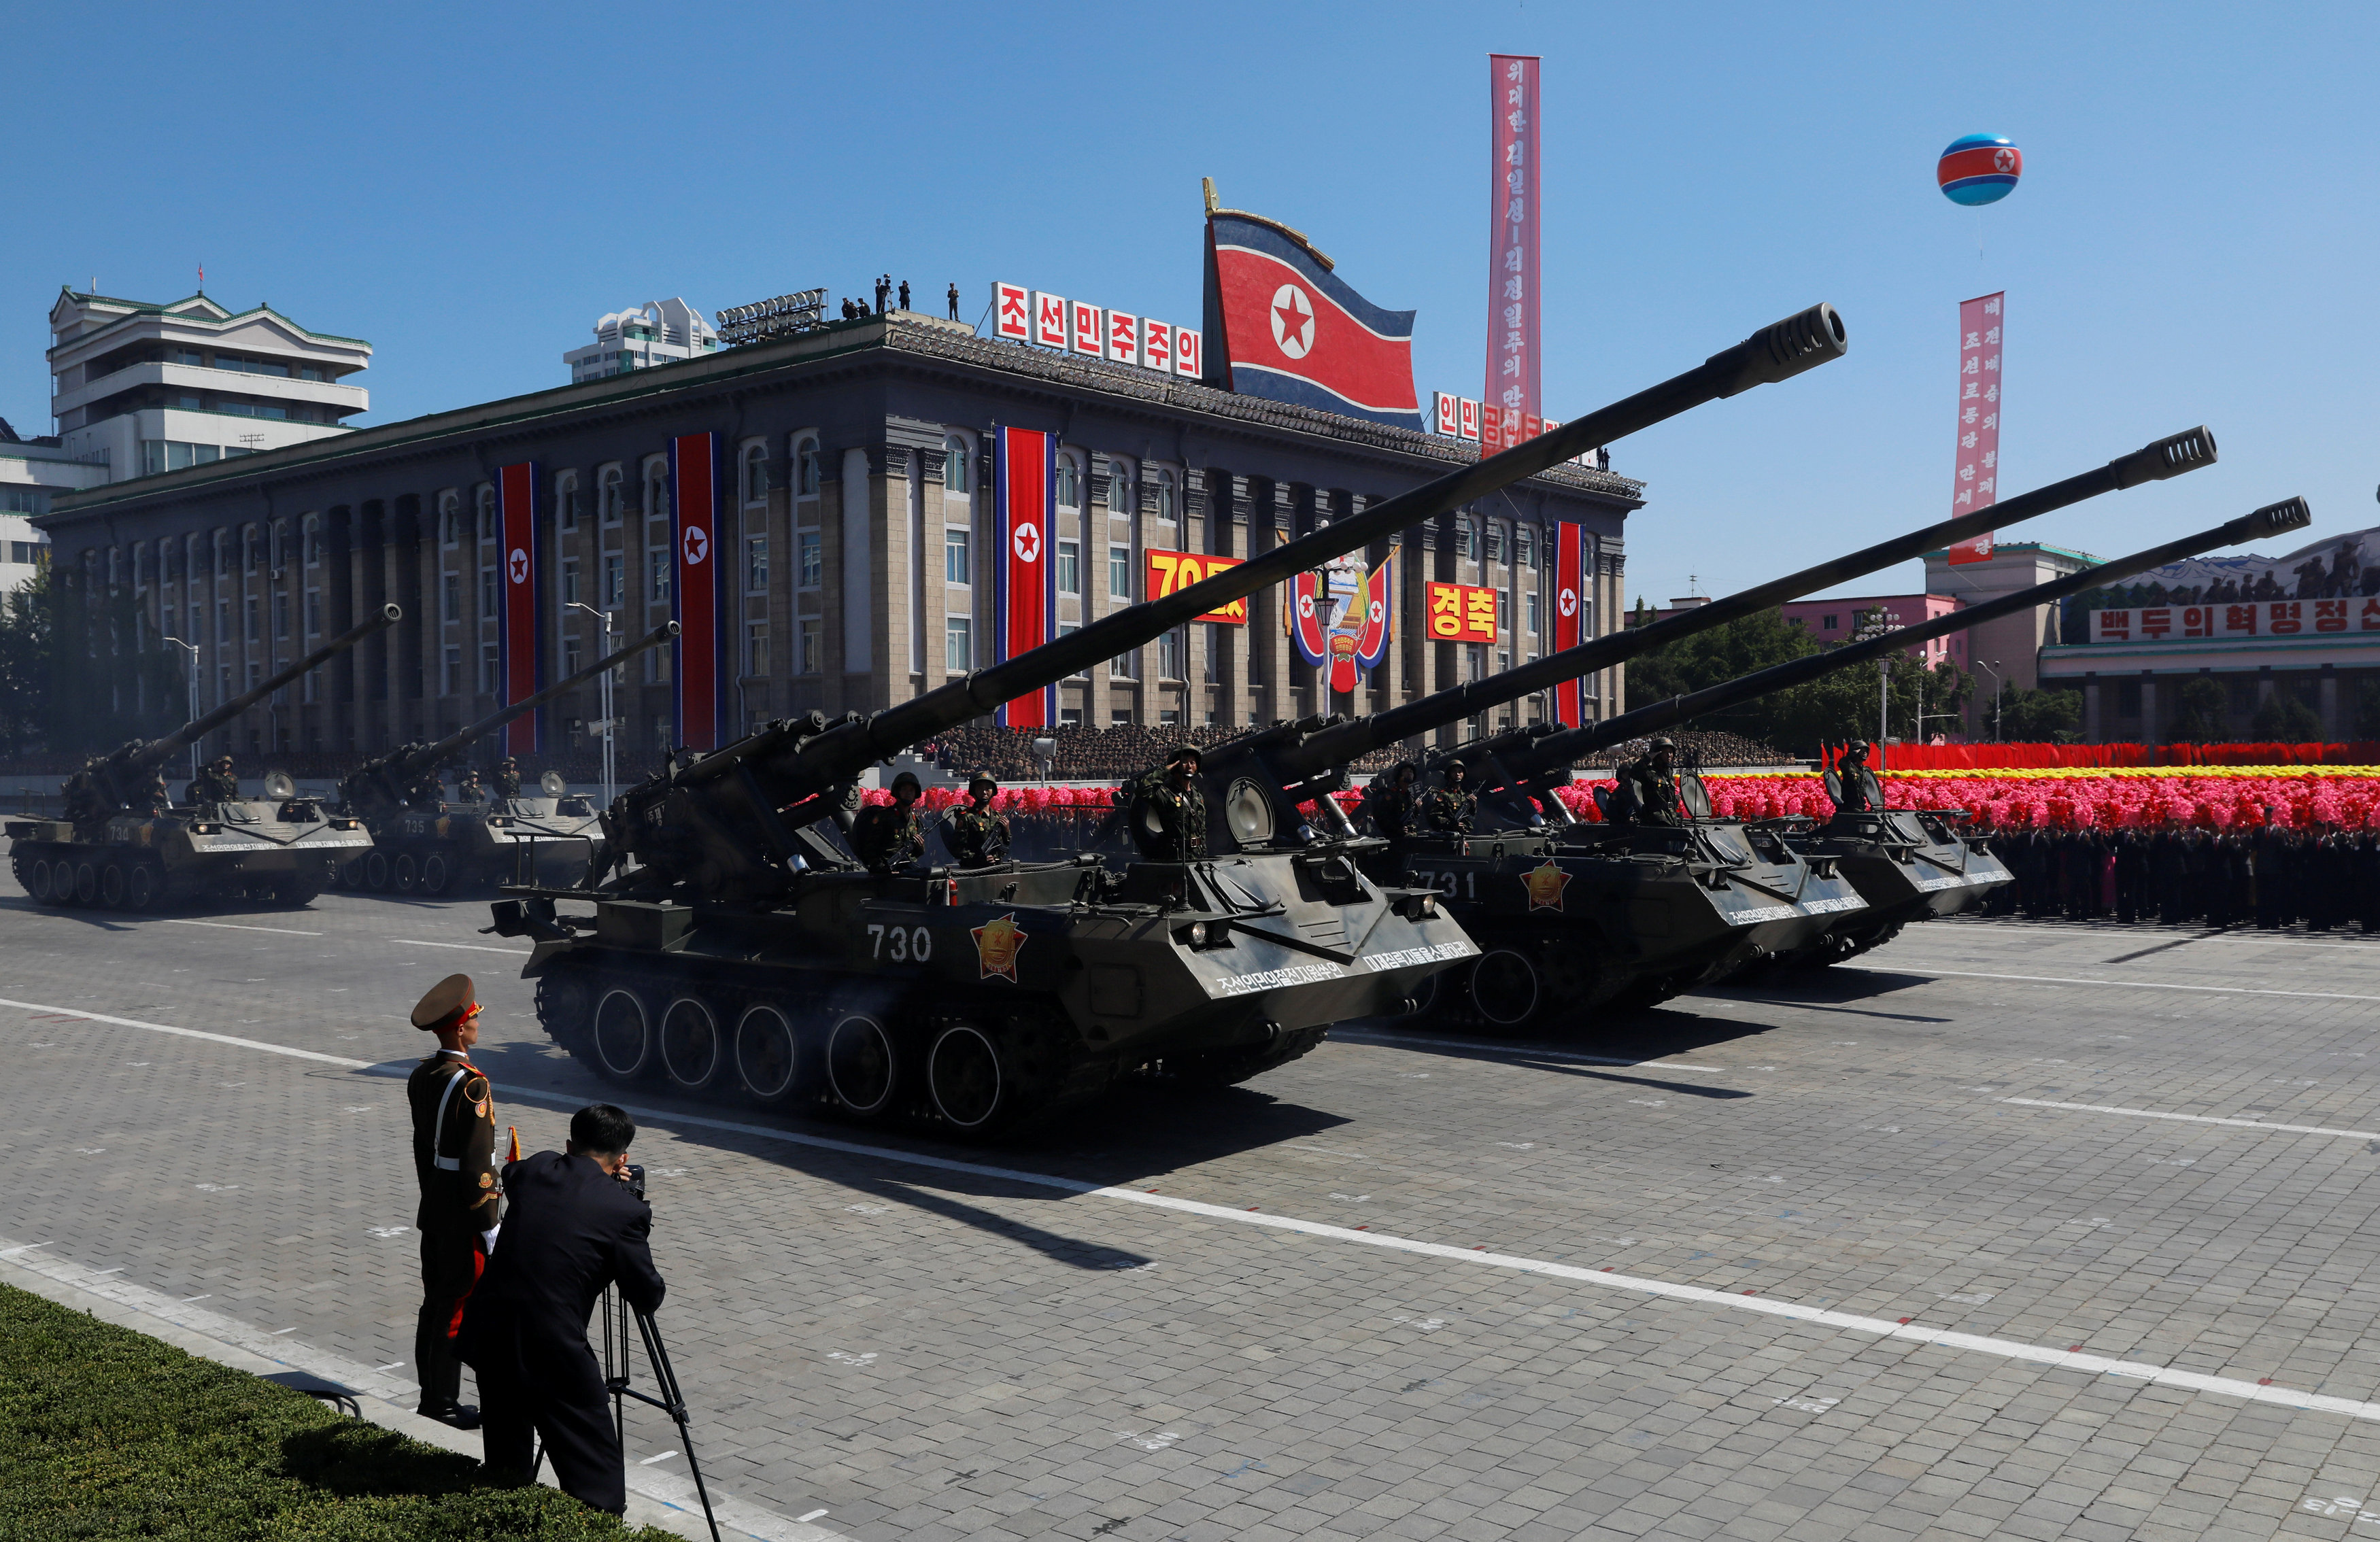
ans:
(1169, 571)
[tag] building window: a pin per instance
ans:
(569, 657)
(487, 513)
(223, 554)
(756, 566)
(247, 619)
(450, 670)
(1495, 541)
(756, 648)
(958, 644)
(450, 519)
(611, 494)
(1829, 623)
(1070, 483)
(1119, 572)
(1119, 501)
(281, 613)
(1214, 655)
(756, 475)
(1524, 547)
(313, 613)
(570, 581)
(813, 558)
(313, 541)
(616, 580)
(1168, 495)
(954, 555)
(566, 500)
(812, 643)
(954, 465)
(450, 597)
(657, 574)
(1537, 608)
(1070, 567)
(656, 489)
(1503, 610)
(1463, 537)
(488, 672)
(488, 594)
(806, 468)
(253, 546)
(1171, 646)
(1124, 666)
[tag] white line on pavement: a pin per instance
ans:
(235, 925)
(1524, 1052)
(2127, 985)
(1911, 1333)
(193, 1032)
(2197, 1119)
(473, 947)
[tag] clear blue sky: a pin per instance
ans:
(469, 187)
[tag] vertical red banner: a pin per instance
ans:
(1513, 372)
(1024, 505)
(521, 647)
(1570, 599)
(694, 674)
(1976, 484)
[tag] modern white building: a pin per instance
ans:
(658, 331)
(139, 388)
(33, 471)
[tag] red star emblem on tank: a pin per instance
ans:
(997, 944)
(1545, 882)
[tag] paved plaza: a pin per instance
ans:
(2008, 1229)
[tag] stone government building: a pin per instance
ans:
(857, 507)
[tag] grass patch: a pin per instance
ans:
(108, 1433)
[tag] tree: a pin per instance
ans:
(2283, 719)
(2201, 715)
(73, 677)
(2041, 716)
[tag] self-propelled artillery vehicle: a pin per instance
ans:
(737, 947)
(1572, 915)
(1911, 864)
(422, 842)
(118, 846)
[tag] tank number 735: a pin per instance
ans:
(909, 945)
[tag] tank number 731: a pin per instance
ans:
(909, 945)
(1463, 885)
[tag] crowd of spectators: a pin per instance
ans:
(2270, 877)
(1698, 746)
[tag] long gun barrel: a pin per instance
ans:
(1560, 749)
(156, 752)
(798, 759)
(1336, 745)
(413, 763)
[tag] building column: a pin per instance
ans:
(2150, 722)
(2091, 710)
(1230, 507)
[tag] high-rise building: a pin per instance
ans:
(139, 388)
(658, 331)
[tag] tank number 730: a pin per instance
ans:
(909, 945)
(1465, 884)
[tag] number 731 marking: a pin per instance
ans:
(910, 944)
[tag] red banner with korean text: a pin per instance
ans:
(1460, 612)
(1976, 485)
(521, 646)
(1573, 596)
(695, 679)
(1170, 570)
(2359, 614)
(1514, 374)
(1025, 614)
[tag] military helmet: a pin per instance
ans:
(908, 779)
(1404, 769)
(1857, 749)
(222, 763)
(1185, 755)
(983, 779)
(1662, 741)
(1455, 768)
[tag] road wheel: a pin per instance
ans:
(376, 871)
(623, 1037)
(111, 886)
(405, 873)
(862, 1064)
(86, 883)
(966, 1078)
(351, 873)
(767, 1053)
(435, 874)
(142, 886)
(690, 1043)
(37, 878)
(1506, 988)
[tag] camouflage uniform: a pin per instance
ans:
(1179, 817)
(1448, 811)
(1655, 791)
(211, 785)
(978, 837)
(508, 781)
(886, 836)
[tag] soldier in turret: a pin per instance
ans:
(1393, 802)
(887, 835)
(1653, 778)
(978, 837)
(1169, 811)
(467, 788)
(1447, 808)
(213, 784)
(508, 781)
(160, 800)
(1855, 778)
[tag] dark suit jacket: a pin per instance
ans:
(570, 1229)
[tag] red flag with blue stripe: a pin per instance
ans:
(1281, 326)
(1026, 613)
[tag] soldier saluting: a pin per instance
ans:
(454, 1159)
(1169, 811)
(1449, 808)
(508, 781)
(887, 835)
(978, 837)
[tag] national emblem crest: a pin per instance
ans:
(1545, 882)
(997, 943)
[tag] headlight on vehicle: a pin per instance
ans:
(1197, 934)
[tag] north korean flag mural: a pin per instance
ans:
(1026, 614)
(1286, 328)
(1339, 617)
(522, 644)
(1572, 615)
(695, 675)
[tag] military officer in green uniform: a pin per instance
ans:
(978, 837)
(508, 782)
(213, 784)
(454, 1159)
(1653, 779)
(160, 798)
(1169, 811)
(467, 788)
(1449, 808)
(1852, 772)
(887, 835)
(1395, 802)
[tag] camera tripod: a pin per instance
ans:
(615, 1310)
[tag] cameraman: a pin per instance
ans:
(573, 1227)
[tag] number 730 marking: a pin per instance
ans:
(910, 944)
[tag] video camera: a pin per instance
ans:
(636, 1179)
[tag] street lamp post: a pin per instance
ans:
(1991, 669)
(604, 683)
(193, 649)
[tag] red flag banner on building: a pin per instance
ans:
(695, 675)
(522, 643)
(1572, 614)
(1514, 375)
(1026, 606)
(1978, 480)
(1288, 328)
